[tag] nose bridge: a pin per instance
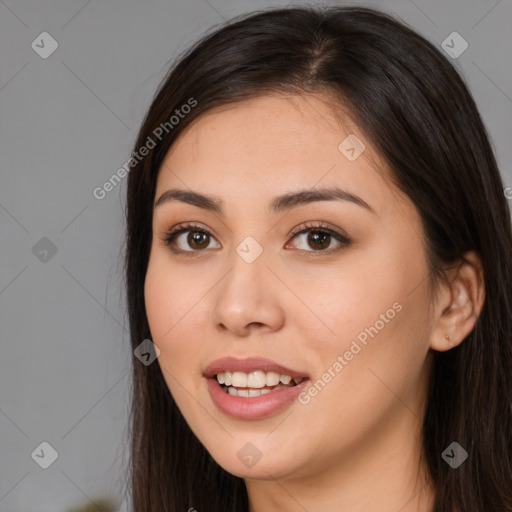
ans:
(244, 296)
(248, 266)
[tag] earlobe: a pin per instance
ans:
(451, 342)
(460, 304)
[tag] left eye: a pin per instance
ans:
(319, 238)
(316, 239)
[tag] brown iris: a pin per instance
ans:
(318, 238)
(198, 239)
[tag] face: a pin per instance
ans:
(330, 290)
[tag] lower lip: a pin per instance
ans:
(256, 407)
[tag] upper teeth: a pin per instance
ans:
(257, 379)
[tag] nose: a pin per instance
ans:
(248, 299)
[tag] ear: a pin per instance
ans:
(459, 303)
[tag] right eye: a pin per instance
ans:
(197, 238)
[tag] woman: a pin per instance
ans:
(318, 245)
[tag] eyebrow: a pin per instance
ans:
(277, 205)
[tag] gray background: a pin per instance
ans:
(67, 124)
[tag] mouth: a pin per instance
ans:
(255, 383)
(252, 388)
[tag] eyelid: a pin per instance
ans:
(320, 226)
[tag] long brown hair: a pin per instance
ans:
(414, 107)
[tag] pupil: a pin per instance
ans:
(316, 237)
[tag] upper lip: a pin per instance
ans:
(250, 364)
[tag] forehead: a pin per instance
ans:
(271, 144)
(271, 122)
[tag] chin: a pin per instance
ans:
(253, 460)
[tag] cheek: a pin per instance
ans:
(360, 385)
(376, 308)
(351, 297)
(174, 310)
(172, 299)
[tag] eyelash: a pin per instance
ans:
(172, 234)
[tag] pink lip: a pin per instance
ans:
(256, 407)
(251, 408)
(251, 364)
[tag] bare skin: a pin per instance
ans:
(355, 445)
